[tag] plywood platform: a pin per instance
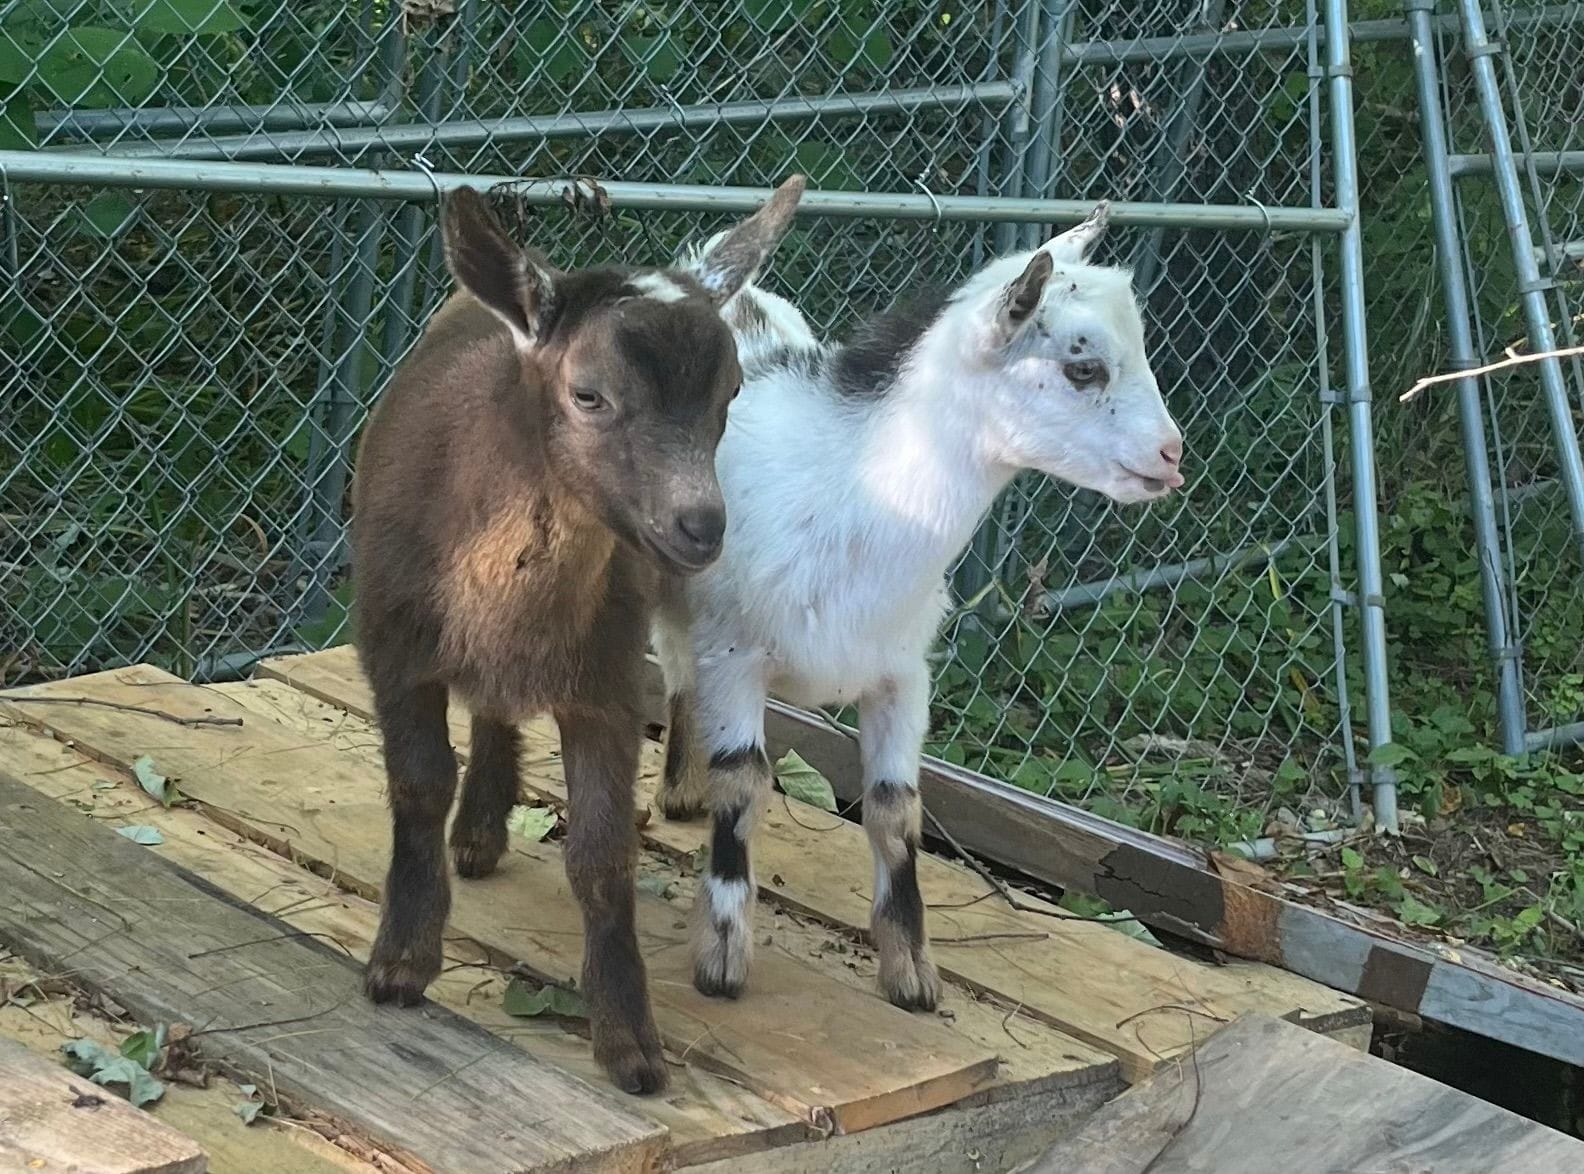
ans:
(286, 818)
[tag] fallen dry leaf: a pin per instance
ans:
(1245, 872)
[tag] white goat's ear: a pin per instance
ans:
(732, 259)
(515, 283)
(1021, 298)
(1072, 246)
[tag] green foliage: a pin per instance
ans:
(525, 1001)
(129, 1067)
(803, 783)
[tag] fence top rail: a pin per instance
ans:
(417, 186)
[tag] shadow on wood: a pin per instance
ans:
(1262, 1095)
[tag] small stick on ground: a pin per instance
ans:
(116, 705)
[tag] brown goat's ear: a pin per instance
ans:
(517, 284)
(735, 259)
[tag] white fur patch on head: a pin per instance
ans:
(659, 287)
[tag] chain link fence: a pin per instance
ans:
(223, 242)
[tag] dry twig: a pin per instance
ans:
(1511, 360)
(1000, 886)
(163, 715)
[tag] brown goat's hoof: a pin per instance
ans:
(401, 982)
(635, 1064)
(913, 985)
(478, 855)
(678, 806)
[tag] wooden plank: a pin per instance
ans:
(841, 1060)
(50, 1013)
(1100, 986)
(1172, 886)
(707, 1117)
(958, 1140)
(442, 1091)
(1034, 1056)
(53, 1119)
(1263, 1095)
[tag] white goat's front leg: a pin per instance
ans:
(729, 705)
(893, 719)
(684, 787)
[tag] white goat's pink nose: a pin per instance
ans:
(1171, 453)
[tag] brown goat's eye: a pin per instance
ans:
(1085, 373)
(589, 401)
(736, 391)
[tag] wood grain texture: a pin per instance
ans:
(1170, 885)
(958, 1140)
(1034, 1056)
(839, 1059)
(54, 1120)
(1263, 1095)
(441, 1091)
(52, 1016)
(1100, 986)
(707, 1118)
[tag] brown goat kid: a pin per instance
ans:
(542, 465)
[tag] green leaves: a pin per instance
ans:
(531, 823)
(802, 782)
(526, 1002)
(553, 49)
(185, 17)
(108, 213)
(157, 785)
(773, 15)
(142, 834)
(657, 55)
(92, 1059)
(17, 132)
(97, 67)
(850, 48)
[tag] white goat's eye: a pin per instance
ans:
(1085, 372)
(589, 401)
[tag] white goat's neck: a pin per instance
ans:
(928, 453)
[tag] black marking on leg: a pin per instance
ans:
(741, 757)
(728, 854)
(904, 906)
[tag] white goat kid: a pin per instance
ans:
(853, 476)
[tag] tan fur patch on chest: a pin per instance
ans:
(528, 567)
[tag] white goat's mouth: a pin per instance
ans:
(1152, 486)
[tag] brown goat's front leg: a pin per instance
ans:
(600, 752)
(489, 789)
(422, 772)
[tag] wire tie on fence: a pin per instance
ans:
(924, 187)
(1486, 49)
(1263, 210)
(421, 162)
(1538, 285)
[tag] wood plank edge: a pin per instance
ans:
(643, 1150)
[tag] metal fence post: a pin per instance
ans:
(1531, 285)
(1371, 584)
(1462, 355)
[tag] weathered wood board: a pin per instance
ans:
(838, 1058)
(1172, 886)
(52, 1120)
(708, 1118)
(83, 900)
(1096, 984)
(1262, 1095)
